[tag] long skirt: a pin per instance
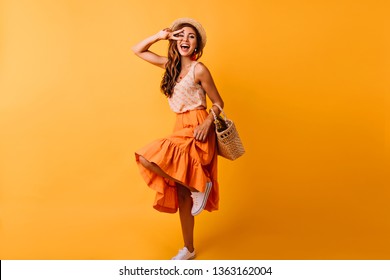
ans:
(191, 162)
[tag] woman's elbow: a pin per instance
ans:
(134, 50)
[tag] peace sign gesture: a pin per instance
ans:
(167, 34)
(142, 48)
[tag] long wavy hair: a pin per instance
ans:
(173, 66)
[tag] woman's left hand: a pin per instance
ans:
(201, 131)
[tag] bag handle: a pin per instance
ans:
(222, 112)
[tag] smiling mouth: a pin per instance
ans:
(184, 47)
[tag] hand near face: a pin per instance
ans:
(167, 34)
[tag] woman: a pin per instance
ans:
(182, 168)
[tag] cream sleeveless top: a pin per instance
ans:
(187, 95)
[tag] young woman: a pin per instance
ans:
(182, 168)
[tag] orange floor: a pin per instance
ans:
(260, 226)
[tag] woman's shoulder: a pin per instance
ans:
(201, 70)
(201, 73)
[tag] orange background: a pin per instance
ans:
(307, 83)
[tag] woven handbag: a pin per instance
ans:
(228, 141)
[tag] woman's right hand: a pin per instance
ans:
(142, 48)
(167, 34)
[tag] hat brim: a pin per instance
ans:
(194, 23)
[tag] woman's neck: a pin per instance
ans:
(185, 62)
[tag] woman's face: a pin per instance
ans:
(187, 41)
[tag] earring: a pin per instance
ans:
(193, 56)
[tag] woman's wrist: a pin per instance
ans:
(210, 119)
(162, 35)
(156, 37)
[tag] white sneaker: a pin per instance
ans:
(184, 254)
(199, 199)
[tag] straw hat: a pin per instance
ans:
(194, 23)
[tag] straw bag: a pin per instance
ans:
(228, 141)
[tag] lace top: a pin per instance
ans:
(187, 95)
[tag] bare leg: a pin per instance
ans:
(186, 219)
(156, 169)
(185, 203)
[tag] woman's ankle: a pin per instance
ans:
(190, 248)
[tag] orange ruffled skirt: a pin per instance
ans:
(189, 161)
